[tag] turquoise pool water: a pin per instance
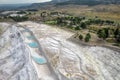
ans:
(25, 30)
(30, 37)
(33, 45)
(39, 60)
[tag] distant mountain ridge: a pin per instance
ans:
(89, 2)
(75, 2)
(59, 0)
(12, 6)
(57, 3)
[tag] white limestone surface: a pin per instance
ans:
(76, 62)
(15, 63)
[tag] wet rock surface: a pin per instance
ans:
(14, 56)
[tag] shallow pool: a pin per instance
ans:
(38, 60)
(25, 30)
(30, 37)
(33, 45)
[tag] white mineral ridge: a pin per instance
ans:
(15, 63)
(76, 62)
(70, 61)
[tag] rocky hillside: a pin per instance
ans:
(59, 0)
(90, 2)
(55, 3)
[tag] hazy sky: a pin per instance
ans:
(21, 1)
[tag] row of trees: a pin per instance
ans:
(71, 20)
(81, 22)
(19, 19)
(106, 33)
(87, 37)
(82, 25)
(21, 12)
(77, 20)
(99, 21)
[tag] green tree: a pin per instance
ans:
(19, 19)
(101, 33)
(77, 28)
(117, 35)
(80, 37)
(116, 32)
(87, 37)
(106, 32)
(59, 20)
(83, 25)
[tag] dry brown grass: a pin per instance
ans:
(102, 11)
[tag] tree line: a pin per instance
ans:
(107, 32)
(81, 22)
(19, 18)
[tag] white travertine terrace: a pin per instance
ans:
(15, 63)
(66, 60)
(76, 62)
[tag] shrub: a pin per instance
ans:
(77, 28)
(101, 33)
(19, 19)
(83, 25)
(87, 37)
(80, 37)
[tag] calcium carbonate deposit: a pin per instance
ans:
(15, 62)
(33, 51)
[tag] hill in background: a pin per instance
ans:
(12, 6)
(69, 2)
(57, 3)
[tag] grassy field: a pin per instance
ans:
(101, 11)
(106, 12)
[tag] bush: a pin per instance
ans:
(101, 34)
(83, 25)
(19, 19)
(59, 20)
(80, 37)
(87, 37)
(77, 28)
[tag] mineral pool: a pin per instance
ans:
(25, 30)
(30, 37)
(39, 60)
(33, 45)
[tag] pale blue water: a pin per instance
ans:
(33, 45)
(39, 60)
(30, 37)
(25, 30)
